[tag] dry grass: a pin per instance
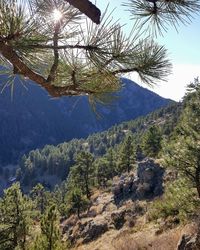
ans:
(125, 243)
(147, 240)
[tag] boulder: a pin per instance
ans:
(187, 242)
(148, 183)
(86, 230)
(190, 242)
(143, 190)
(150, 179)
(118, 218)
(93, 230)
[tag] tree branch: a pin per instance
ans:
(47, 46)
(55, 91)
(54, 67)
(89, 9)
(121, 71)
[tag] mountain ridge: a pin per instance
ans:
(32, 119)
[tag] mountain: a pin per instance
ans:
(31, 118)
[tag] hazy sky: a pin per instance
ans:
(183, 48)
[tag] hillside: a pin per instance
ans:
(51, 164)
(121, 189)
(30, 119)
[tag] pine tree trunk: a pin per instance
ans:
(87, 187)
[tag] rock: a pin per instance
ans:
(119, 208)
(187, 242)
(150, 179)
(86, 230)
(147, 184)
(93, 211)
(143, 190)
(190, 242)
(118, 218)
(93, 230)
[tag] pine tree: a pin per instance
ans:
(52, 43)
(82, 173)
(39, 196)
(112, 165)
(50, 237)
(76, 201)
(127, 155)
(183, 152)
(151, 143)
(49, 227)
(15, 214)
(154, 16)
(103, 171)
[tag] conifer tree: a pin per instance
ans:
(127, 155)
(183, 152)
(50, 228)
(50, 237)
(82, 173)
(112, 164)
(39, 197)
(76, 201)
(15, 217)
(103, 172)
(53, 44)
(151, 143)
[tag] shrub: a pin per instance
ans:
(179, 200)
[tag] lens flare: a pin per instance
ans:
(57, 15)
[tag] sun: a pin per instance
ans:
(57, 15)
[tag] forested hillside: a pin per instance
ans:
(107, 193)
(31, 119)
(56, 161)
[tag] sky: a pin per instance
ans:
(183, 50)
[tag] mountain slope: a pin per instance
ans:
(32, 119)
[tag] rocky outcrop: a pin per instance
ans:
(147, 183)
(150, 179)
(92, 224)
(118, 209)
(187, 243)
(190, 242)
(85, 230)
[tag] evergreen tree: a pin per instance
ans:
(39, 196)
(82, 173)
(151, 143)
(112, 165)
(59, 197)
(76, 201)
(49, 43)
(15, 218)
(127, 155)
(50, 237)
(139, 153)
(183, 152)
(103, 171)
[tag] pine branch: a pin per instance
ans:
(59, 47)
(87, 8)
(52, 74)
(66, 59)
(156, 15)
(55, 91)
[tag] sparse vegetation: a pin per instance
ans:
(179, 201)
